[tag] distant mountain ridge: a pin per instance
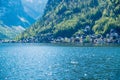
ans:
(12, 13)
(13, 18)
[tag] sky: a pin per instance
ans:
(34, 5)
(32, 1)
(29, 1)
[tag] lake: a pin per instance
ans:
(58, 62)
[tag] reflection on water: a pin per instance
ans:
(54, 62)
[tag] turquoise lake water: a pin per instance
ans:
(58, 62)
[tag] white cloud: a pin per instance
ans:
(23, 19)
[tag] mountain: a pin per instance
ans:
(37, 8)
(66, 18)
(13, 18)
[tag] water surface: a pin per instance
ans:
(55, 62)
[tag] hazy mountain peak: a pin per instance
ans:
(12, 15)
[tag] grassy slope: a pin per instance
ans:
(8, 33)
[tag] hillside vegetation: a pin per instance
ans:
(66, 18)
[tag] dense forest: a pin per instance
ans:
(67, 18)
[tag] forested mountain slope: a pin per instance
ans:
(66, 18)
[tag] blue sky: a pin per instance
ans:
(36, 6)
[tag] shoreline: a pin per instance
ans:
(68, 44)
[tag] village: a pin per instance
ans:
(111, 38)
